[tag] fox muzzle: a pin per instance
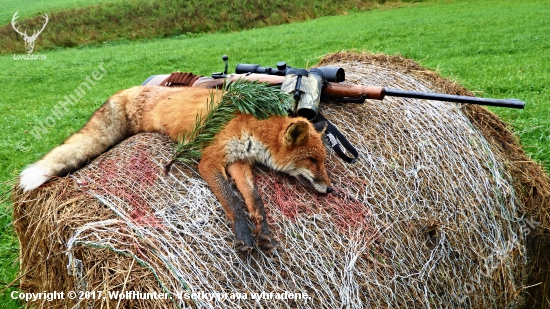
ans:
(318, 186)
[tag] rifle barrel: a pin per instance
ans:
(510, 103)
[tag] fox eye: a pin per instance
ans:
(313, 161)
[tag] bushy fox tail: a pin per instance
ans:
(107, 127)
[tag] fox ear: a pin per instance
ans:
(320, 126)
(297, 133)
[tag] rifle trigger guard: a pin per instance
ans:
(357, 99)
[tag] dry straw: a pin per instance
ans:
(429, 217)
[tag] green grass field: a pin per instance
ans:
(498, 48)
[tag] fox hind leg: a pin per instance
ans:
(241, 173)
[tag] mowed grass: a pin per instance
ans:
(497, 48)
(138, 19)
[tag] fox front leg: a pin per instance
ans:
(241, 173)
(234, 208)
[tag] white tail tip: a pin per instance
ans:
(32, 177)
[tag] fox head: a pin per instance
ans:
(302, 154)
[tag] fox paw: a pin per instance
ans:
(241, 247)
(265, 242)
(244, 243)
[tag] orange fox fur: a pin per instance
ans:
(289, 145)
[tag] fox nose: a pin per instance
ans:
(329, 189)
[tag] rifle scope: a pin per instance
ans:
(331, 74)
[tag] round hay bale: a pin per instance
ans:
(429, 217)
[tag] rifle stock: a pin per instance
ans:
(331, 90)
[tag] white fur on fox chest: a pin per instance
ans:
(248, 148)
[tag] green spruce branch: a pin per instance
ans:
(241, 96)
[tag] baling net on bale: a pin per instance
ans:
(430, 216)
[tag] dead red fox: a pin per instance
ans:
(289, 145)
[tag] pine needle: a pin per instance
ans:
(253, 98)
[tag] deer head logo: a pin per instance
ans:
(29, 40)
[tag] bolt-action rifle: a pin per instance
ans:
(308, 87)
(333, 87)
